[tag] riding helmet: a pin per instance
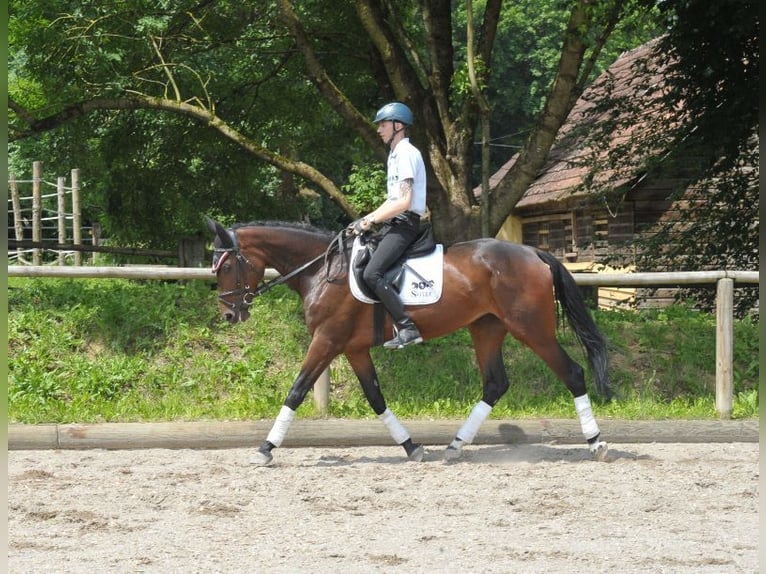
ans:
(394, 111)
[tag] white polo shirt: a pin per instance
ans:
(406, 162)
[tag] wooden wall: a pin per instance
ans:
(583, 234)
(577, 233)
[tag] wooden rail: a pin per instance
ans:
(368, 432)
(87, 248)
(724, 280)
(589, 279)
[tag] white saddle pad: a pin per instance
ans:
(423, 278)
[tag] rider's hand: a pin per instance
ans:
(355, 227)
(360, 226)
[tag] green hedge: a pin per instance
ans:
(119, 350)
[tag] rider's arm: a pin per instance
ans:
(393, 207)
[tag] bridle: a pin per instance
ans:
(243, 293)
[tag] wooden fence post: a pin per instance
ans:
(322, 391)
(724, 341)
(76, 215)
(18, 221)
(37, 208)
(60, 191)
(95, 232)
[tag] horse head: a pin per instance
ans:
(236, 276)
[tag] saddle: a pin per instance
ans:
(424, 250)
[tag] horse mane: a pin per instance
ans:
(300, 226)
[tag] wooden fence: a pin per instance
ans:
(37, 214)
(724, 281)
(35, 232)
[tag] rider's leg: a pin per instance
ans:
(407, 332)
(390, 248)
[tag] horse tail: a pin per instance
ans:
(568, 295)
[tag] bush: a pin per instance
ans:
(120, 350)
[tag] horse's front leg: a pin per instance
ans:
(318, 358)
(487, 334)
(362, 364)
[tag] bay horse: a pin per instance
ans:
(492, 287)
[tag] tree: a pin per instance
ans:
(233, 69)
(712, 55)
(149, 175)
(695, 124)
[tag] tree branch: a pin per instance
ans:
(20, 111)
(401, 73)
(400, 33)
(557, 107)
(199, 114)
(614, 17)
(488, 31)
(438, 21)
(318, 74)
(165, 67)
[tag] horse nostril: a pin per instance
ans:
(230, 317)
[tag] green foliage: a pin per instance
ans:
(148, 174)
(713, 50)
(118, 350)
(700, 141)
(461, 81)
(721, 229)
(525, 56)
(366, 187)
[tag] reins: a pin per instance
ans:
(266, 285)
(338, 243)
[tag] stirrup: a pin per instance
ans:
(404, 337)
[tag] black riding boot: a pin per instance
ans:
(406, 333)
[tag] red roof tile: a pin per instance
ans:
(562, 175)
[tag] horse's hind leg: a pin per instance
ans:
(368, 378)
(573, 376)
(488, 334)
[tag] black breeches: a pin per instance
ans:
(395, 240)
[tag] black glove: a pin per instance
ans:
(356, 227)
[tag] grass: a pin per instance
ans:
(120, 350)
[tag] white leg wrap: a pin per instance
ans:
(587, 422)
(470, 427)
(279, 429)
(397, 430)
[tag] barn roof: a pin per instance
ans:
(635, 75)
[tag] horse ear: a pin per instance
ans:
(220, 232)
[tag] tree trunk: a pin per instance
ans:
(532, 158)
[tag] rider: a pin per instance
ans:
(400, 214)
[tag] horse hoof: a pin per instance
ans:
(261, 458)
(598, 451)
(452, 453)
(417, 453)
